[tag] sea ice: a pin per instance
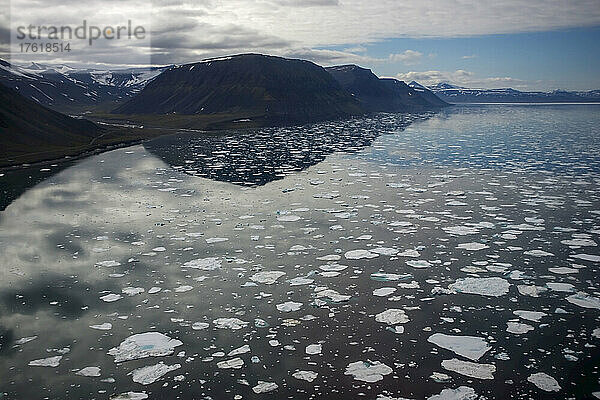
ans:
(107, 326)
(130, 396)
(419, 264)
(89, 371)
(518, 328)
(289, 306)
(460, 393)
(46, 362)
(534, 316)
(494, 287)
(111, 297)
(584, 300)
(313, 349)
(230, 323)
(359, 254)
(308, 376)
(152, 373)
(368, 371)
(264, 387)
(205, 264)
(234, 363)
(544, 381)
(470, 369)
(393, 316)
(142, 345)
(384, 291)
(472, 246)
(470, 347)
(267, 277)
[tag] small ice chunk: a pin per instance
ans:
(89, 371)
(267, 277)
(183, 289)
(197, 326)
(460, 393)
(111, 297)
(419, 264)
(472, 246)
(142, 345)
(531, 290)
(25, 340)
(289, 306)
(544, 381)
(230, 323)
(130, 396)
(264, 387)
(471, 347)
(234, 363)
(584, 300)
(368, 371)
(333, 295)
(534, 316)
(563, 270)
(240, 350)
(204, 264)
(46, 362)
(132, 291)
(359, 254)
(560, 287)
(470, 369)
(314, 349)
(393, 316)
(108, 263)
(107, 326)
(518, 328)
(308, 376)
(384, 291)
(493, 287)
(152, 373)
(216, 240)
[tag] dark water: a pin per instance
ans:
(477, 221)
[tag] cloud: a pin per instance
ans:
(461, 78)
(409, 57)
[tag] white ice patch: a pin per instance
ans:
(89, 371)
(460, 393)
(240, 350)
(130, 396)
(560, 287)
(368, 371)
(142, 345)
(470, 369)
(544, 381)
(313, 349)
(393, 316)
(107, 326)
(230, 323)
(152, 373)
(216, 240)
(493, 287)
(264, 387)
(534, 316)
(111, 297)
(197, 326)
(518, 328)
(267, 277)
(470, 347)
(108, 263)
(234, 363)
(205, 264)
(419, 264)
(563, 270)
(183, 289)
(472, 246)
(308, 376)
(333, 296)
(289, 306)
(46, 362)
(360, 254)
(584, 300)
(587, 257)
(384, 291)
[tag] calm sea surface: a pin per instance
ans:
(396, 256)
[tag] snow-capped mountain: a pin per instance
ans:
(68, 89)
(457, 94)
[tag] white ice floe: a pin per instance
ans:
(587, 257)
(584, 300)
(154, 290)
(332, 295)
(107, 326)
(385, 251)
(24, 340)
(132, 291)
(544, 381)
(534, 316)
(152, 373)
(264, 387)
(419, 264)
(230, 323)
(108, 263)
(314, 349)
(197, 326)
(360, 254)
(538, 253)
(234, 363)
(493, 287)
(89, 371)
(368, 371)
(267, 277)
(46, 362)
(461, 230)
(579, 242)
(560, 287)
(142, 345)
(183, 288)
(384, 291)
(130, 396)
(308, 376)
(563, 270)
(472, 246)
(205, 264)
(300, 280)
(386, 277)
(393, 316)
(471, 347)
(460, 393)
(216, 240)
(518, 328)
(289, 306)
(240, 350)
(470, 369)
(111, 297)
(531, 290)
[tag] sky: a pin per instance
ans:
(524, 44)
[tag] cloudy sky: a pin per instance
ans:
(525, 44)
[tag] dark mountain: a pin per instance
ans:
(67, 89)
(249, 86)
(30, 132)
(457, 94)
(375, 94)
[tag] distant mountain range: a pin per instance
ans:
(457, 94)
(68, 89)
